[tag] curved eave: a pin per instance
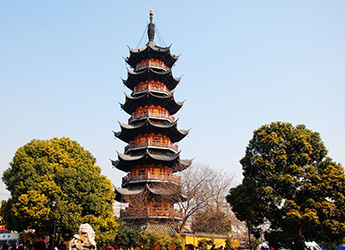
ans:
(183, 164)
(128, 132)
(151, 50)
(127, 162)
(168, 102)
(122, 194)
(174, 194)
(134, 78)
(145, 217)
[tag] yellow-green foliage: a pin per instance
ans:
(59, 170)
(232, 243)
(153, 240)
(178, 242)
(255, 242)
(149, 239)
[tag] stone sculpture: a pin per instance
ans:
(84, 240)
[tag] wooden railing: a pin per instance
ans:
(133, 144)
(150, 176)
(149, 212)
(152, 87)
(151, 63)
(162, 114)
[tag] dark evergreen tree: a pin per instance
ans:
(291, 184)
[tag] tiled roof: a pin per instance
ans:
(159, 228)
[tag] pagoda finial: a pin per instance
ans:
(151, 14)
(151, 28)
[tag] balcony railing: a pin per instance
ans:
(149, 86)
(151, 63)
(133, 144)
(150, 176)
(162, 114)
(136, 212)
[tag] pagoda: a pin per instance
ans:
(151, 157)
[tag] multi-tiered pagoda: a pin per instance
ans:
(152, 156)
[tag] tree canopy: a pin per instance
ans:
(61, 171)
(292, 186)
(128, 235)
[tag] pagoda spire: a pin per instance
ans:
(151, 27)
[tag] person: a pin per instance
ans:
(20, 246)
(189, 247)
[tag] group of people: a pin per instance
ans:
(111, 247)
(189, 247)
(38, 245)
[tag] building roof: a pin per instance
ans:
(127, 162)
(151, 50)
(123, 193)
(159, 228)
(150, 74)
(168, 102)
(129, 132)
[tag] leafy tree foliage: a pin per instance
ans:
(209, 221)
(153, 240)
(290, 184)
(231, 244)
(59, 170)
(149, 239)
(205, 244)
(178, 242)
(128, 235)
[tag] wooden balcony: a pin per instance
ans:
(151, 63)
(155, 87)
(162, 114)
(147, 211)
(150, 176)
(153, 143)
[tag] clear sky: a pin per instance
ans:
(244, 63)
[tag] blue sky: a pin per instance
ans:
(243, 64)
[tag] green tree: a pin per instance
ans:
(290, 184)
(229, 243)
(209, 221)
(164, 241)
(149, 239)
(61, 171)
(159, 240)
(128, 235)
(178, 242)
